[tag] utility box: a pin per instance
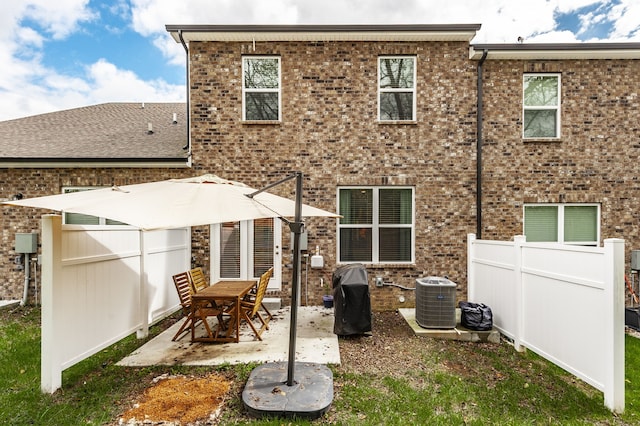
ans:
(27, 242)
(635, 260)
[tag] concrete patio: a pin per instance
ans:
(315, 342)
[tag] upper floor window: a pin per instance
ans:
(541, 106)
(377, 224)
(261, 88)
(396, 88)
(563, 223)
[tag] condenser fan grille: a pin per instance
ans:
(435, 302)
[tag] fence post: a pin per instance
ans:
(471, 276)
(143, 282)
(50, 364)
(518, 241)
(614, 328)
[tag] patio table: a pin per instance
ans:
(223, 293)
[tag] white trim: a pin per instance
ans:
(258, 90)
(36, 164)
(314, 33)
(561, 206)
(412, 90)
(559, 51)
(557, 108)
(375, 226)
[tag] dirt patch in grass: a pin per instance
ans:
(180, 400)
(393, 351)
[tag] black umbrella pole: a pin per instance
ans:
(296, 227)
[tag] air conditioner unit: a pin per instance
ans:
(435, 303)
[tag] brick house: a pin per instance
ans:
(384, 122)
(78, 149)
(579, 173)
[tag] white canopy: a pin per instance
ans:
(174, 203)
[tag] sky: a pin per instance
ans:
(64, 54)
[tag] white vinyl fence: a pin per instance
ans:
(99, 286)
(564, 302)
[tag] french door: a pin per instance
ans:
(245, 250)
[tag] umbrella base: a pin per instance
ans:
(267, 393)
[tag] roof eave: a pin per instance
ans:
(559, 51)
(49, 163)
(258, 33)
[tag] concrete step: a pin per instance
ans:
(457, 333)
(272, 303)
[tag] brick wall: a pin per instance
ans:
(596, 159)
(38, 182)
(329, 131)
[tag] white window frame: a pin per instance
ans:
(102, 221)
(556, 108)
(375, 226)
(412, 90)
(561, 207)
(246, 90)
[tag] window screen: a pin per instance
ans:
(397, 88)
(377, 224)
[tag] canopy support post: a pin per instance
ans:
(311, 395)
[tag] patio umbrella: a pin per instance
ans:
(175, 203)
(202, 200)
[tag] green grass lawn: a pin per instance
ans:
(521, 388)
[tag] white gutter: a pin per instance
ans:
(560, 51)
(94, 164)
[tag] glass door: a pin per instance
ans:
(245, 250)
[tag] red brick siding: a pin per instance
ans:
(596, 159)
(329, 131)
(39, 182)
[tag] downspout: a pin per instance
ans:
(186, 49)
(27, 277)
(479, 149)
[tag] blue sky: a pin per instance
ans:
(65, 54)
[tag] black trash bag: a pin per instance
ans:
(476, 316)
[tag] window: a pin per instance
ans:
(85, 219)
(396, 88)
(541, 106)
(261, 88)
(563, 223)
(377, 225)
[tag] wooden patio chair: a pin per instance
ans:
(250, 309)
(192, 316)
(198, 283)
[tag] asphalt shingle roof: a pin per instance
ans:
(110, 131)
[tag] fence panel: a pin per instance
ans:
(494, 263)
(564, 302)
(101, 285)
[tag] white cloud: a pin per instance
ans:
(28, 87)
(58, 18)
(626, 20)
(503, 21)
(107, 83)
